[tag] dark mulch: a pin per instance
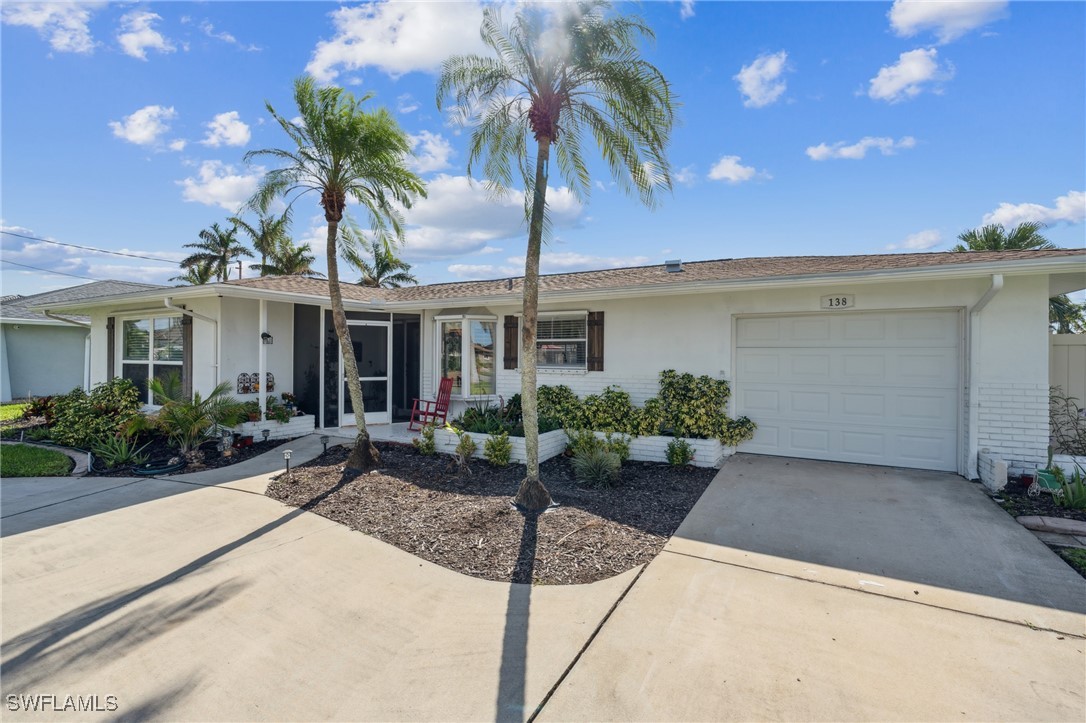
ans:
(1018, 503)
(161, 451)
(465, 521)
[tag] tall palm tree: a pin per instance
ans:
(560, 74)
(994, 237)
(290, 260)
(386, 270)
(267, 236)
(340, 150)
(196, 274)
(217, 248)
(1064, 314)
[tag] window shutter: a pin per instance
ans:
(512, 341)
(110, 346)
(595, 341)
(186, 356)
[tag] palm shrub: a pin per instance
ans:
(83, 420)
(188, 423)
(119, 451)
(597, 467)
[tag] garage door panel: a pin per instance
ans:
(879, 388)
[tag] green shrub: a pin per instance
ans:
(498, 449)
(425, 443)
(562, 405)
(620, 445)
(610, 411)
(679, 452)
(21, 460)
(583, 442)
(694, 407)
(82, 419)
(119, 451)
(38, 434)
(737, 431)
(276, 410)
(41, 407)
(11, 412)
(465, 450)
(649, 418)
(597, 468)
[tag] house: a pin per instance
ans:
(42, 355)
(912, 360)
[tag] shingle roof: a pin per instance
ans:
(634, 276)
(17, 307)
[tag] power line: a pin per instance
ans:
(88, 248)
(58, 273)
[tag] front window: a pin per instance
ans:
(151, 348)
(561, 341)
(466, 355)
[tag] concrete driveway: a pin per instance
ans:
(802, 590)
(794, 590)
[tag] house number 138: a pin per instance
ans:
(840, 301)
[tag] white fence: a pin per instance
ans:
(1067, 364)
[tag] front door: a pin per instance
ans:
(373, 354)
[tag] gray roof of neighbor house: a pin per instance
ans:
(640, 279)
(18, 308)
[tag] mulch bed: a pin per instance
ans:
(1018, 503)
(160, 451)
(465, 521)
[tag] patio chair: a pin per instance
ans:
(432, 411)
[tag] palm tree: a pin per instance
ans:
(1063, 313)
(994, 237)
(386, 270)
(341, 151)
(218, 249)
(196, 274)
(291, 260)
(558, 76)
(268, 234)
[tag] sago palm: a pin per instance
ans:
(386, 270)
(342, 151)
(218, 249)
(267, 235)
(560, 73)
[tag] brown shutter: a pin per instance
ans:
(595, 341)
(512, 341)
(110, 346)
(186, 356)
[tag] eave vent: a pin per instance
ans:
(673, 266)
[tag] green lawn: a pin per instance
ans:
(1075, 558)
(20, 460)
(9, 412)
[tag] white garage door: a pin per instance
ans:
(876, 388)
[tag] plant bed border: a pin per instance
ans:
(551, 444)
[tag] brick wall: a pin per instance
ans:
(1012, 423)
(296, 427)
(992, 470)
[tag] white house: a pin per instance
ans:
(912, 360)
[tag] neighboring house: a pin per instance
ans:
(42, 355)
(912, 360)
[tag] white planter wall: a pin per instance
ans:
(707, 452)
(1067, 463)
(551, 444)
(296, 427)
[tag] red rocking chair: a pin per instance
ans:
(432, 411)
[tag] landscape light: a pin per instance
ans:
(265, 433)
(286, 458)
(324, 441)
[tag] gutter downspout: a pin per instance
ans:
(86, 346)
(974, 385)
(168, 302)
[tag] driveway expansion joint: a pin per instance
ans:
(863, 591)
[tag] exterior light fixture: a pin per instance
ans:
(324, 441)
(265, 433)
(266, 338)
(286, 458)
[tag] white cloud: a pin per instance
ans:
(760, 82)
(686, 175)
(178, 144)
(145, 125)
(397, 37)
(137, 35)
(1070, 208)
(209, 30)
(686, 9)
(919, 241)
(474, 272)
(859, 149)
(948, 19)
(64, 24)
(218, 184)
(908, 77)
(461, 217)
(406, 103)
(432, 152)
(226, 129)
(729, 169)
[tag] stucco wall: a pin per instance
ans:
(41, 360)
(241, 343)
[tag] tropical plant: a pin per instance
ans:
(188, 423)
(216, 250)
(342, 151)
(559, 73)
(679, 452)
(197, 274)
(83, 420)
(597, 467)
(1065, 315)
(268, 235)
(291, 260)
(118, 451)
(498, 450)
(386, 270)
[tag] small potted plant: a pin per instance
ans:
(290, 402)
(252, 410)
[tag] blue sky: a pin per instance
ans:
(806, 128)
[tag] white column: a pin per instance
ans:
(262, 356)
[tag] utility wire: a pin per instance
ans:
(38, 268)
(88, 248)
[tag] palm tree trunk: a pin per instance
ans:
(532, 495)
(363, 455)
